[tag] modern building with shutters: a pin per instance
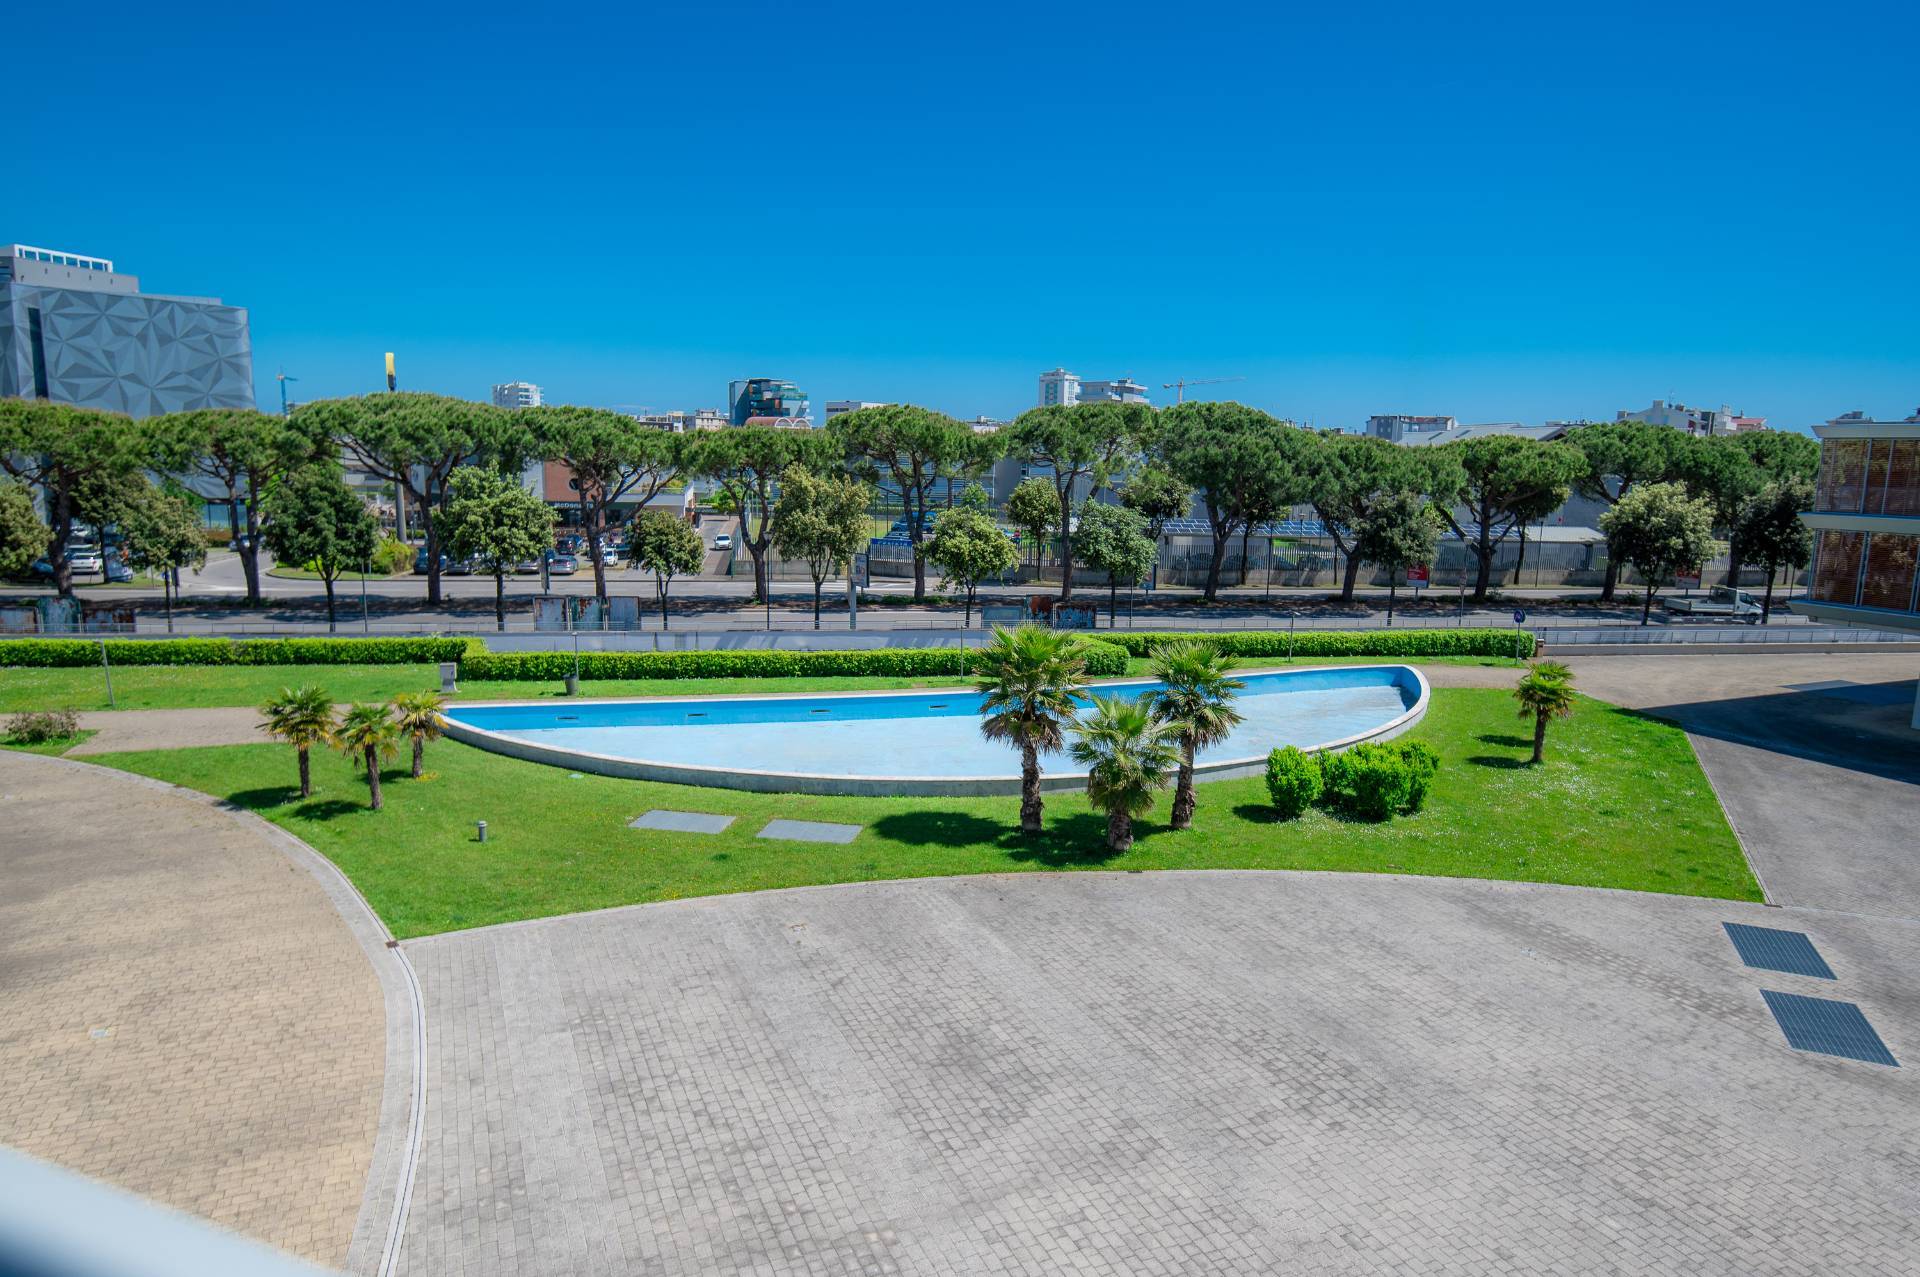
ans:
(1866, 526)
(518, 394)
(75, 330)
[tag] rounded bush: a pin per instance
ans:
(1378, 779)
(1293, 780)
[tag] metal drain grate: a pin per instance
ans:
(1771, 949)
(1828, 1027)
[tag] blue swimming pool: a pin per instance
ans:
(925, 742)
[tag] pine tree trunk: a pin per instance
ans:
(1029, 790)
(1119, 830)
(306, 773)
(1539, 736)
(1183, 796)
(1646, 609)
(329, 584)
(1766, 602)
(1611, 580)
(1350, 577)
(419, 754)
(500, 601)
(373, 779)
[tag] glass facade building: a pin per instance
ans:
(1866, 524)
(768, 399)
(74, 330)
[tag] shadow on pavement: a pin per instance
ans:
(1863, 727)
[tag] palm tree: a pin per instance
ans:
(1195, 699)
(1028, 680)
(302, 717)
(1128, 755)
(417, 716)
(369, 731)
(1545, 691)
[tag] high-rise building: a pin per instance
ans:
(1119, 390)
(518, 394)
(1059, 387)
(767, 401)
(840, 407)
(75, 330)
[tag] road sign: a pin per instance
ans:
(1417, 575)
(1519, 616)
(1687, 578)
(859, 574)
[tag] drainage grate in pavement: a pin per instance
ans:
(1771, 949)
(1828, 1027)
(681, 822)
(809, 831)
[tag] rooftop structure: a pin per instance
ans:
(840, 407)
(517, 394)
(1455, 434)
(1118, 390)
(1059, 387)
(1396, 426)
(1695, 421)
(767, 397)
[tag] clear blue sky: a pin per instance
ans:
(1500, 212)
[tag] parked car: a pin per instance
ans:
(420, 561)
(559, 564)
(84, 560)
(724, 541)
(527, 567)
(613, 556)
(463, 567)
(117, 570)
(1721, 602)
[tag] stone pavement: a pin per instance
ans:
(183, 1011)
(125, 730)
(1169, 1073)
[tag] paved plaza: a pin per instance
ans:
(186, 1013)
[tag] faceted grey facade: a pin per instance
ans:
(120, 350)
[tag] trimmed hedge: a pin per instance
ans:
(1377, 779)
(1104, 660)
(1256, 643)
(1293, 781)
(219, 651)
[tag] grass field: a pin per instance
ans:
(199, 686)
(1620, 802)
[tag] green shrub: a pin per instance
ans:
(1293, 779)
(1377, 779)
(393, 555)
(1104, 660)
(37, 727)
(219, 651)
(1312, 643)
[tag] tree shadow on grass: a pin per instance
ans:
(940, 829)
(267, 796)
(1500, 762)
(328, 808)
(1080, 839)
(1504, 741)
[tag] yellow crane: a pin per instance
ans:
(1180, 387)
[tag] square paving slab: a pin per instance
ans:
(681, 822)
(809, 831)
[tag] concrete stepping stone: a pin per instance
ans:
(809, 831)
(681, 822)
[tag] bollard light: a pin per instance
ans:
(481, 830)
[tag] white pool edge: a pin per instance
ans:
(771, 782)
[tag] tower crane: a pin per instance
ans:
(1180, 387)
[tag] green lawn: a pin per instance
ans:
(1621, 802)
(199, 686)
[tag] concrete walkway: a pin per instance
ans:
(186, 1014)
(127, 730)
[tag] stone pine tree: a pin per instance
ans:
(968, 547)
(1077, 448)
(1247, 466)
(822, 521)
(162, 532)
(244, 452)
(613, 459)
(1771, 533)
(23, 538)
(490, 517)
(1354, 480)
(1619, 455)
(1485, 489)
(315, 521)
(908, 451)
(667, 547)
(748, 463)
(1659, 529)
(77, 458)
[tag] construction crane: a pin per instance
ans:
(283, 379)
(1180, 387)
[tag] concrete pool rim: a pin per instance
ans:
(774, 782)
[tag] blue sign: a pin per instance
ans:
(1519, 617)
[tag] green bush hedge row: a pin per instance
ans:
(1254, 643)
(1104, 660)
(219, 651)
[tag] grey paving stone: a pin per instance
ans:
(809, 831)
(681, 822)
(1172, 1073)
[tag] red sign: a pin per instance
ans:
(1417, 575)
(1687, 578)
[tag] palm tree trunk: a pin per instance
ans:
(373, 779)
(1119, 830)
(1539, 736)
(1183, 799)
(306, 774)
(419, 753)
(1029, 790)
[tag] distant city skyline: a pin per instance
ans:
(1522, 236)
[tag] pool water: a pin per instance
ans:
(933, 734)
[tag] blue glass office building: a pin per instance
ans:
(74, 330)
